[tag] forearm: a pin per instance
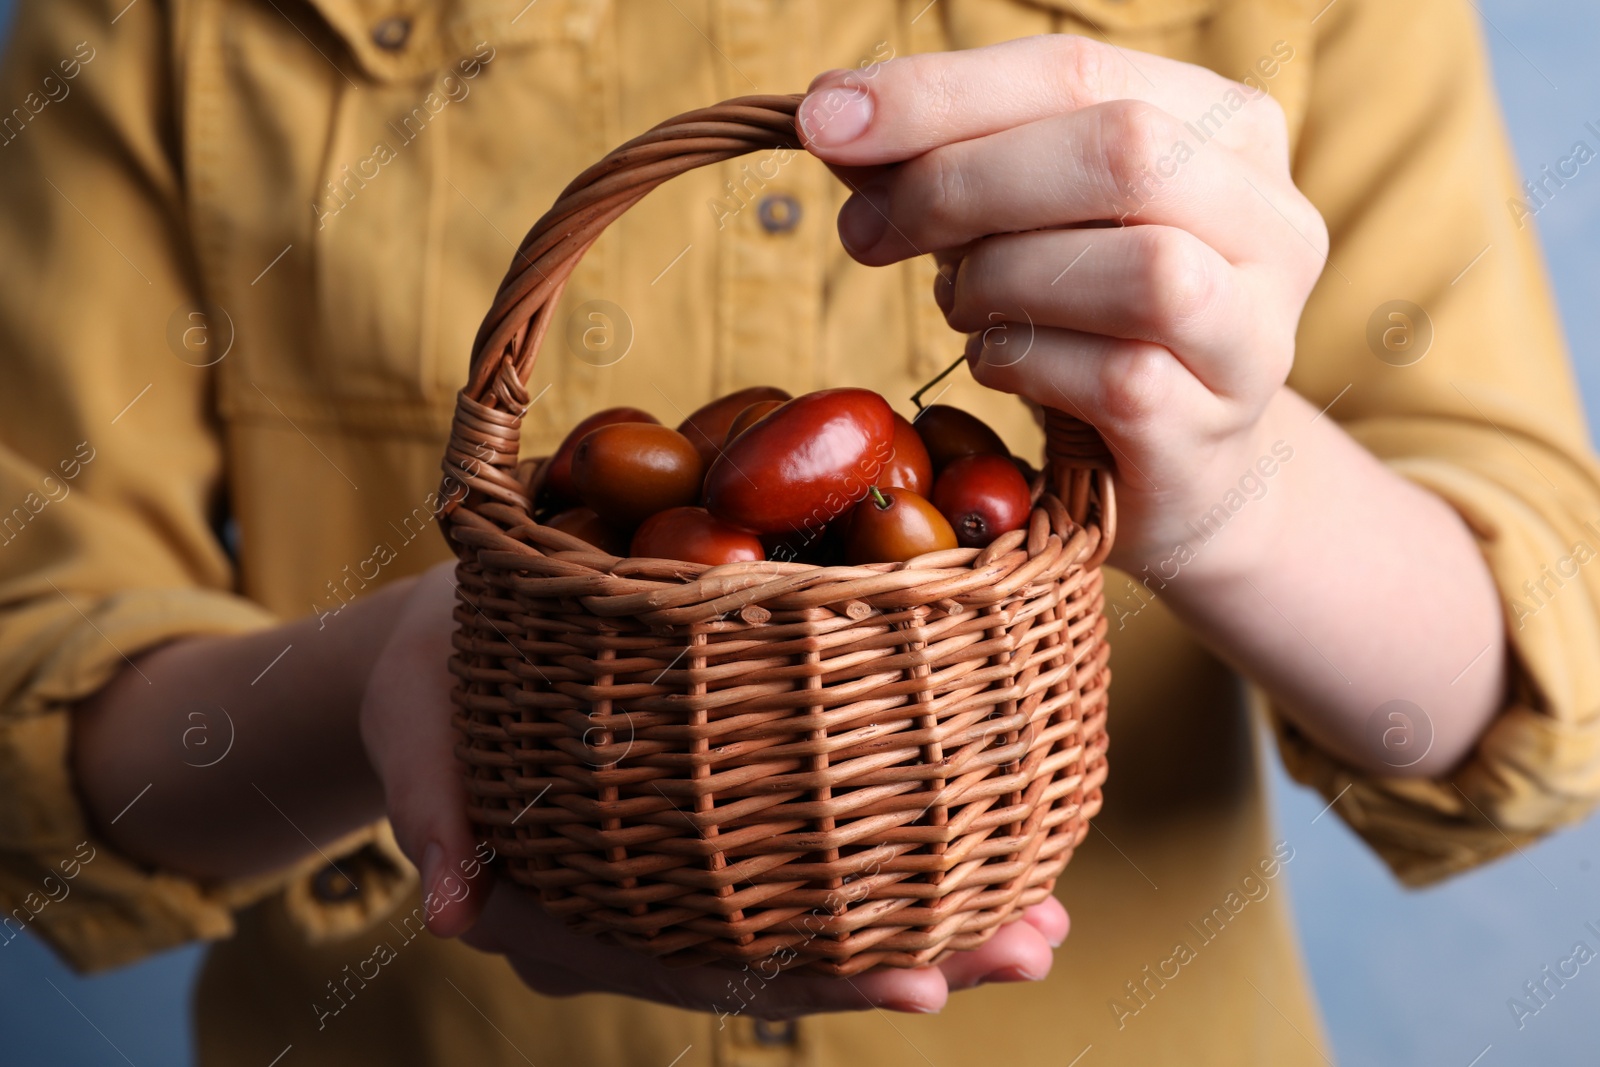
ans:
(281, 703)
(1346, 587)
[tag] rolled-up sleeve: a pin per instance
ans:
(111, 466)
(1434, 338)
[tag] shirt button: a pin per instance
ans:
(778, 212)
(330, 886)
(391, 34)
(774, 1033)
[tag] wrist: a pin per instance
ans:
(1233, 524)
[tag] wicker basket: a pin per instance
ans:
(825, 768)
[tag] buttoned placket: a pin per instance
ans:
(770, 261)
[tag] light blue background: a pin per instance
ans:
(1404, 978)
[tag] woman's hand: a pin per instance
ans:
(1118, 233)
(405, 723)
(557, 962)
(1121, 237)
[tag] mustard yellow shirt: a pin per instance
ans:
(244, 247)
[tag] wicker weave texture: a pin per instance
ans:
(827, 768)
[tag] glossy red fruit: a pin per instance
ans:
(629, 471)
(558, 489)
(983, 496)
(951, 433)
(708, 426)
(804, 464)
(749, 417)
(585, 525)
(892, 526)
(697, 536)
(911, 467)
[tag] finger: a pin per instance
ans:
(920, 989)
(1125, 389)
(1050, 918)
(407, 729)
(550, 955)
(896, 110)
(1143, 283)
(513, 924)
(1125, 161)
(1018, 952)
(948, 261)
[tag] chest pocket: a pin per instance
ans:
(456, 135)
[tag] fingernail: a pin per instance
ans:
(1057, 942)
(912, 1007)
(835, 117)
(1011, 974)
(864, 218)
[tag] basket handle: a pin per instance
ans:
(485, 434)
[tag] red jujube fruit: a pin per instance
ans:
(910, 467)
(951, 433)
(585, 525)
(708, 426)
(804, 464)
(892, 526)
(983, 496)
(697, 536)
(629, 471)
(750, 416)
(558, 488)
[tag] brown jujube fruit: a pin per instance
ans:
(696, 536)
(749, 417)
(707, 427)
(983, 496)
(910, 467)
(586, 525)
(559, 490)
(951, 433)
(629, 471)
(803, 465)
(894, 525)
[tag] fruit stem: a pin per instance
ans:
(881, 501)
(916, 397)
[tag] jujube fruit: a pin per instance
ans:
(697, 536)
(894, 525)
(910, 467)
(951, 433)
(983, 496)
(586, 525)
(707, 427)
(629, 471)
(804, 464)
(749, 417)
(558, 487)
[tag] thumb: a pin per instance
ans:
(406, 725)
